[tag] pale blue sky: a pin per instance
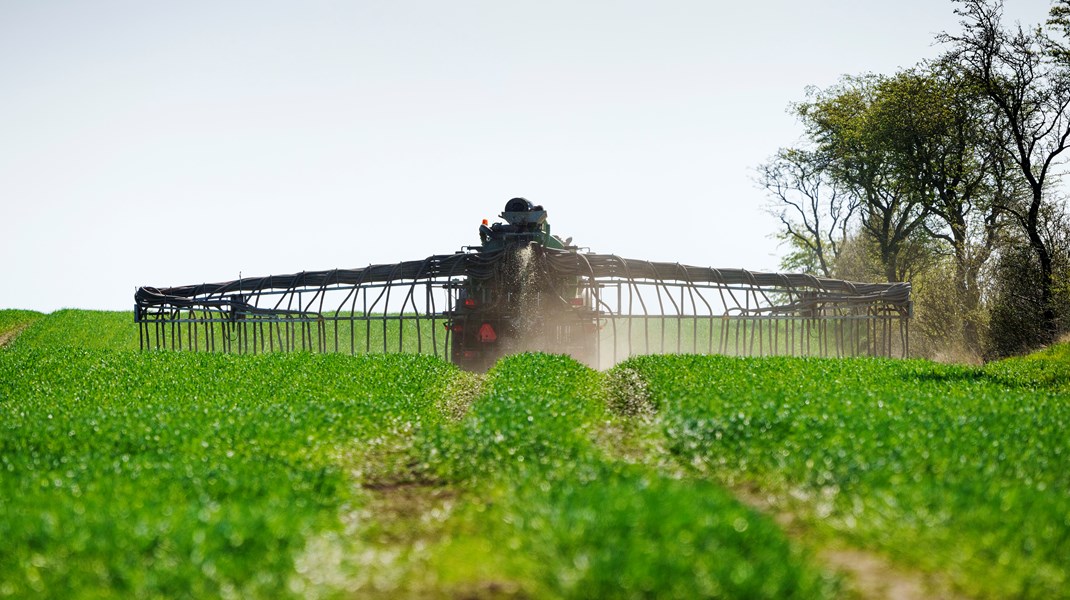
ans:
(149, 143)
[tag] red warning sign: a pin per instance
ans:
(486, 334)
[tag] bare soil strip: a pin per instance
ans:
(870, 575)
(406, 512)
(461, 393)
(409, 518)
(875, 577)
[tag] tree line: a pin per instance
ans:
(946, 175)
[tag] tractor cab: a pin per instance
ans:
(524, 222)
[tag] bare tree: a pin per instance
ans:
(814, 211)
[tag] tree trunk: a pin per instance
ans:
(891, 267)
(971, 303)
(967, 295)
(1049, 326)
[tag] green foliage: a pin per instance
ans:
(918, 157)
(800, 256)
(184, 475)
(957, 470)
(88, 329)
(166, 474)
(580, 524)
(1048, 369)
(942, 314)
(12, 319)
(1017, 305)
(912, 149)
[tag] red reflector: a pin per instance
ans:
(470, 302)
(486, 333)
(454, 328)
(577, 302)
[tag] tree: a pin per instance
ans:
(905, 169)
(1016, 303)
(943, 143)
(860, 159)
(1025, 74)
(814, 211)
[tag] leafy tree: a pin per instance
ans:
(1017, 305)
(838, 120)
(943, 144)
(910, 170)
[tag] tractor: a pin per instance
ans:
(520, 306)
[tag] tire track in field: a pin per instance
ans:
(870, 575)
(9, 336)
(389, 536)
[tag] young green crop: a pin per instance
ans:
(1048, 369)
(100, 330)
(164, 474)
(13, 320)
(186, 475)
(88, 329)
(958, 470)
(574, 522)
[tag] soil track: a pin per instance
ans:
(870, 575)
(10, 335)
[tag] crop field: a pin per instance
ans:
(176, 474)
(13, 322)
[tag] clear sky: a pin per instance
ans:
(169, 143)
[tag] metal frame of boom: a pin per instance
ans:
(639, 307)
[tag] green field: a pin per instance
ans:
(177, 474)
(12, 322)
